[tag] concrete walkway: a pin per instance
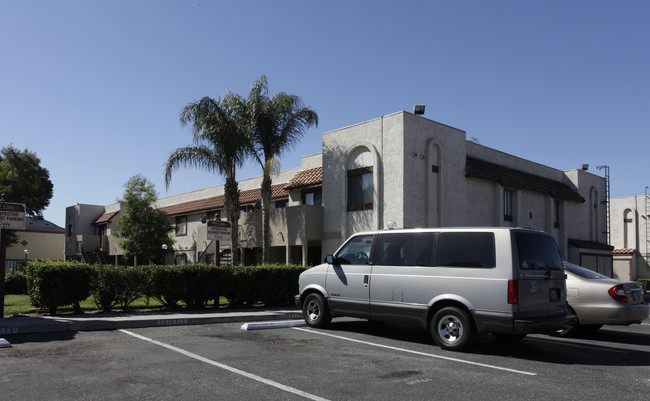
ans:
(62, 323)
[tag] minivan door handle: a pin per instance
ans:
(366, 278)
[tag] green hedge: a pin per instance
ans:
(16, 283)
(52, 284)
(55, 284)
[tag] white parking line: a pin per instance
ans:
(228, 368)
(419, 353)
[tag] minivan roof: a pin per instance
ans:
(449, 229)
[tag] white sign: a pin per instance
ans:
(219, 231)
(12, 216)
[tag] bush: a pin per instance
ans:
(16, 283)
(117, 285)
(165, 284)
(52, 284)
(272, 285)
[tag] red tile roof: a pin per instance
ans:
(217, 202)
(624, 251)
(105, 218)
(306, 179)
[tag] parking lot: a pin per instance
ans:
(352, 360)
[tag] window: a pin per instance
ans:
(507, 205)
(466, 249)
(556, 215)
(312, 197)
(407, 249)
(180, 259)
(181, 226)
(281, 203)
(360, 189)
(356, 251)
(246, 209)
(537, 252)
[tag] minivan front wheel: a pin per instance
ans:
(315, 311)
(453, 329)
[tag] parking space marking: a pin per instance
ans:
(523, 372)
(226, 367)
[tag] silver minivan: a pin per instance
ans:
(459, 283)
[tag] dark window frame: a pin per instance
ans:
(507, 204)
(180, 221)
(317, 196)
(360, 172)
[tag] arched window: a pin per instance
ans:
(360, 180)
(628, 228)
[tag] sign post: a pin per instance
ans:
(12, 217)
(218, 230)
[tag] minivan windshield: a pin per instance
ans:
(537, 252)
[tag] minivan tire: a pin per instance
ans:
(452, 328)
(315, 311)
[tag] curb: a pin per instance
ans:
(57, 324)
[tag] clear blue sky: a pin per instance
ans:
(94, 87)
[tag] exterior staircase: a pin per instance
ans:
(93, 257)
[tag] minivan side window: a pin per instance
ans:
(466, 249)
(404, 249)
(356, 251)
(537, 252)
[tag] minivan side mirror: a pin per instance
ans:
(329, 259)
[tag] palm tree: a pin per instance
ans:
(277, 123)
(220, 144)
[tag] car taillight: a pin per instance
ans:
(618, 293)
(513, 292)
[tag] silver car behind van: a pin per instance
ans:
(458, 283)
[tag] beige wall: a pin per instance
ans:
(41, 245)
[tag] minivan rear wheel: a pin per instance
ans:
(315, 311)
(452, 328)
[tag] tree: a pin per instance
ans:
(142, 228)
(220, 145)
(277, 123)
(23, 180)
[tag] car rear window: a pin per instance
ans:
(466, 249)
(537, 252)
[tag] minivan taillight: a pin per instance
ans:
(513, 292)
(618, 293)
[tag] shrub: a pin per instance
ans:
(165, 284)
(645, 282)
(272, 285)
(16, 283)
(52, 284)
(117, 285)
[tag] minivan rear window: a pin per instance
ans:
(466, 249)
(404, 249)
(537, 252)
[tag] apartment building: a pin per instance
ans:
(399, 170)
(629, 230)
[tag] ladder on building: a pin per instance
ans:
(607, 202)
(647, 223)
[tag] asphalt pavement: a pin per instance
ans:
(93, 322)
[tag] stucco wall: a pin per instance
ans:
(41, 245)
